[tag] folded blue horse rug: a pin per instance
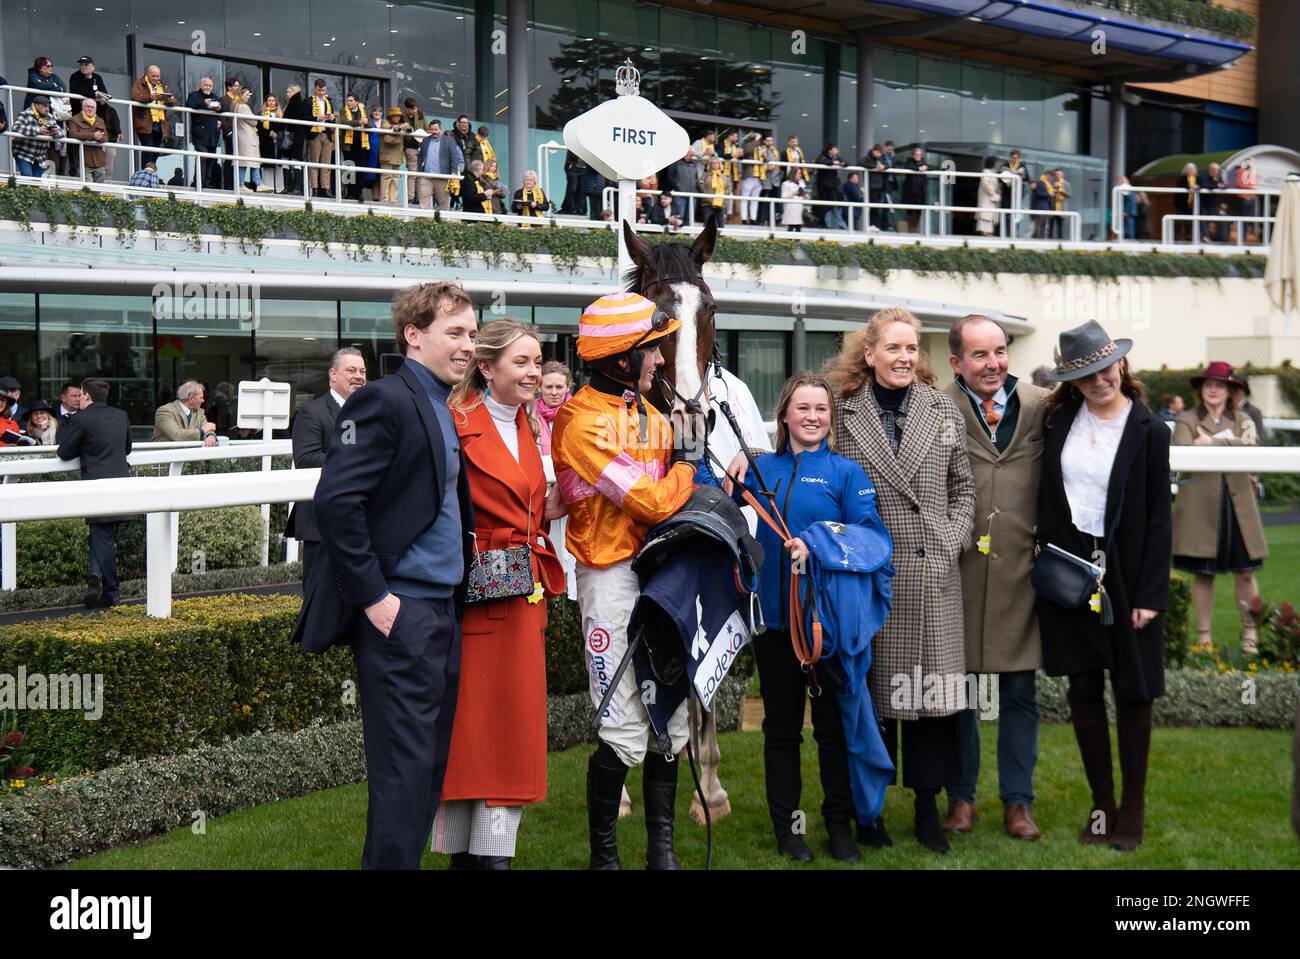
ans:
(698, 606)
(848, 582)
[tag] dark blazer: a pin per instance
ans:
(203, 125)
(101, 436)
(311, 431)
(378, 492)
(1139, 539)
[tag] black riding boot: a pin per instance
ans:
(605, 776)
(660, 790)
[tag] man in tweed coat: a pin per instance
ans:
(1004, 436)
(911, 440)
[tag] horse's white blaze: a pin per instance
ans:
(687, 371)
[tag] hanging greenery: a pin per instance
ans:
(507, 246)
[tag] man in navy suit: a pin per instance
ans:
(311, 430)
(396, 529)
(101, 437)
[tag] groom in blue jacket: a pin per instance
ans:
(396, 523)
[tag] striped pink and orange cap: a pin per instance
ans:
(616, 322)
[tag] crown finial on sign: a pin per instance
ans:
(627, 80)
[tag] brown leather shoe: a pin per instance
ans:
(1020, 822)
(961, 816)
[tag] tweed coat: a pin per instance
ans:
(926, 497)
(1196, 510)
(997, 606)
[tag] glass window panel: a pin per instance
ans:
(175, 21)
(18, 348)
(981, 105)
(893, 97)
(280, 29)
(369, 327)
(106, 336)
(1060, 119)
(432, 53)
(938, 105)
(797, 107)
(567, 64)
(205, 340)
(820, 348)
(294, 342)
(763, 366)
(1022, 110)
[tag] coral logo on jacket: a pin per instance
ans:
(598, 640)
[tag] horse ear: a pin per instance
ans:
(639, 251)
(702, 248)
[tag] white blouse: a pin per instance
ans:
(1086, 462)
(504, 418)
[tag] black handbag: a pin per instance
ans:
(1070, 581)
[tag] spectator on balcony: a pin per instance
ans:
(771, 178)
(531, 200)
(148, 118)
(853, 196)
(830, 188)
(320, 139)
(89, 128)
(69, 402)
(753, 168)
(988, 198)
(916, 188)
(714, 182)
(792, 192)
(438, 154)
(889, 155)
(732, 154)
(475, 196)
(183, 419)
(230, 174)
(101, 437)
(312, 427)
(146, 176)
(86, 83)
(269, 135)
(370, 179)
(485, 147)
(42, 77)
(391, 151)
(1044, 199)
(794, 154)
(706, 148)
(414, 128)
(1185, 203)
(877, 189)
(293, 140)
(492, 181)
(205, 131)
(1244, 179)
(1128, 207)
(467, 141)
(39, 423)
(1061, 193)
(354, 143)
(8, 421)
(683, 178)
(1210, 181)
(1015, 165)
(30, 153)
(250, 150)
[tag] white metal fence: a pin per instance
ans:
(172, 455)
(1266, 218)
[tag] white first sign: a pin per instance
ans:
(626, 138)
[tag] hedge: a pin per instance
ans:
(506, 246)
(54, 552)
(220, 667)
(243, 577)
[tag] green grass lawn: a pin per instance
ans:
(1217, 799)
(1279, 580)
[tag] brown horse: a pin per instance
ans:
(669, 274)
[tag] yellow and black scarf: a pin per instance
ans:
(794, 155)
(717, 186)
(156, 91)
(758, 170)
(536, 197)
(479, 198)
(489, 154)
(317, 113)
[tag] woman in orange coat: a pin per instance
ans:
(497, 759)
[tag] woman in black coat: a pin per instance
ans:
(295, 108)
(1105, 497)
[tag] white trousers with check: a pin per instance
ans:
(606, 598)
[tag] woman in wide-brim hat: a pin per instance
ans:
(40, 424)
(1104, 496)
(1217, 528)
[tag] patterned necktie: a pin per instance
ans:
(991, 416)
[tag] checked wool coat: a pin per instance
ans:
(926, 497)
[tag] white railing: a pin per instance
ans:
(173, 458)
(163, 497)
(1265, 218)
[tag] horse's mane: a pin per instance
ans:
(669, 259)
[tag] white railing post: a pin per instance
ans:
(159, 530)
(175, 469)
(8, 552)
(268, 423)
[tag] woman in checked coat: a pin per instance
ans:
(911, 440)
